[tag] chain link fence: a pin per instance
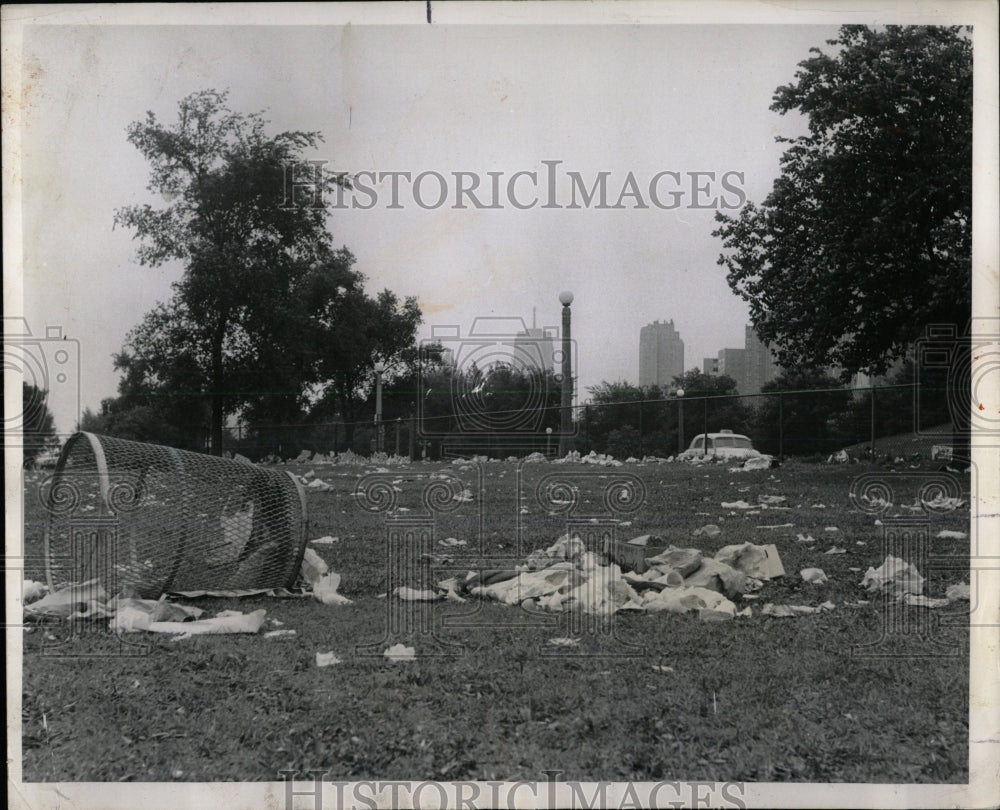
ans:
(886, 421)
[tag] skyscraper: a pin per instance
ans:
(761, 367)
(535, 348)
(661, 354)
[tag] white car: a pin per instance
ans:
(724, 444)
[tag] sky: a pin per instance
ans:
(639, 99)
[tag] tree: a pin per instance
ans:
(865, 239)
(38, 432)
(804, 416)
(227, 219)
(711, 404)
(629, 420)
(351, 333)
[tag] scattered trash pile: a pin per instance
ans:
(566, 576)
(900, 580)
(127, 614)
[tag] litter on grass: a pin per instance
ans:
(328, 659)
(958, 591)
(815, 576)
(948, 534)
(568, 576)
(895, 577)
(400, 652)
(789, 611)
(279, 634)
(32, 591)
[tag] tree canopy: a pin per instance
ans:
(269, 320)
(865, 238)
(38, 432)
(244, 249)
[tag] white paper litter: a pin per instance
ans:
(279, 634)
(327, 659)
(895, 577)
(32, 591)
(408, 594)
(958, 591)
(228, 621)
(948, 534)
(816, 576)
(325, 541)
(400, 652)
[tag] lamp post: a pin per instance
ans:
(680, 420)
(548, 441)
(566, 421)
(379, 369)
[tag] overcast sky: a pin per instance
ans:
(445, 99)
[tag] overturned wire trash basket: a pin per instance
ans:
(145, 520)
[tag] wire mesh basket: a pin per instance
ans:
(146, 519)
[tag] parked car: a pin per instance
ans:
(724, 444)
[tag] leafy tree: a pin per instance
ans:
(804, 419)
(37, 425)
(629, 420)
(226, 218)
(351, 333)
(712, 399)
(140, 423)
(865, 238)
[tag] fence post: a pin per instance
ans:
(640, 428)
(781, 427)
(399, 424)
(413, 439)
(704, 445)
(873, 421)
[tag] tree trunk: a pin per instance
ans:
(216, 393)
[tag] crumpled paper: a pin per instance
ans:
(895, 577)
(816, 576)
(400, 652)
(134, 615)
(328, 659)
(226, 621)
(32, 591)
(324, 582)
(79, 599)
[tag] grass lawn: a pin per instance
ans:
(825, 697)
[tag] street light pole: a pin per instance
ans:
(680, 420)
(566, 420)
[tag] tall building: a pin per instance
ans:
(733, 363)
(535, 347)
(710, 365)
(751, 367)
(661, 354)
(761, 366)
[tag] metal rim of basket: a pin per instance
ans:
(103, 477)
